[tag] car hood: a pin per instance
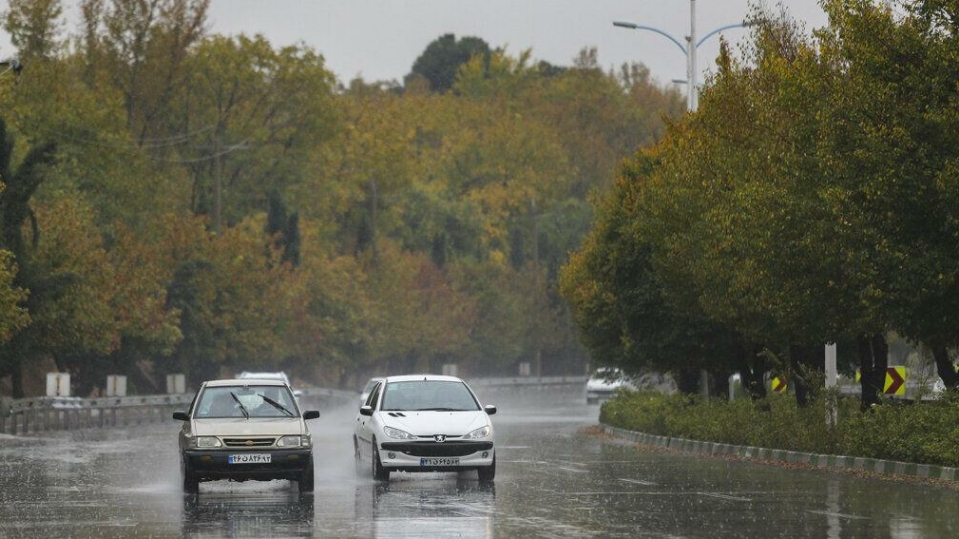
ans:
(247, 427)
(430, 423)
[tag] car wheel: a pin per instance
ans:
(379, 472)
(307, 478)
(487, 473)
(191, 484)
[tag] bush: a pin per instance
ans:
(924, 433)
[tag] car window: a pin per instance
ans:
(428, 395)
(369, 387)
(243, 401)
(371, 400)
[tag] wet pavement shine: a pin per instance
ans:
(553, 481)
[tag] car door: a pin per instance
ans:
(365, 423)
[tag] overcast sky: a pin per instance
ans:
(380, 39)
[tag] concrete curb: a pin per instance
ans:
(887, 467)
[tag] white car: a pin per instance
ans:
(604, 383)
(424, 423)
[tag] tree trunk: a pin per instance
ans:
(945, 368)
(873, 360)
(16, 376)
(687, 381)
(752, 371)
(797, 377)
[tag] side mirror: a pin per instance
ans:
(311, 414)
(490, 409)
(366, 410)
(181, 416)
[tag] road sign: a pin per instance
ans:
(779, 384)
(895, 381)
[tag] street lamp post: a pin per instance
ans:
(689, 49)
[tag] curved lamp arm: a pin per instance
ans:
(722, 29)
(635, 26)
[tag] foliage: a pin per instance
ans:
(219, 203)
(442, 58)
(923, 433)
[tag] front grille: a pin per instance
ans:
(249, 442)
(434, 449)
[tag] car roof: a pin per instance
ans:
(263, 375)
(245, 382)
(420, 377)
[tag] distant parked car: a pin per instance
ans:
(424, 423)
(245, 429)
(246, 375)
(605, 382)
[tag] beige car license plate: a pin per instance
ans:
(252, 458)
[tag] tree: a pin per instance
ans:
(34, 27)
(442, 58)
(20, 184)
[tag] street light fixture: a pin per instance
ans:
(689, 49)
(11, 64)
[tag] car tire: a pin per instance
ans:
(486, 474)
(379, 472)
(307, 479)
(191, 483)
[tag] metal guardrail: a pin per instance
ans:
(45, 414)
(528, 381)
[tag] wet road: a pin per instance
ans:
(552, 482)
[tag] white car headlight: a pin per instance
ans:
(207, 442)
(398, 434)
(293, 441)
(482, 432)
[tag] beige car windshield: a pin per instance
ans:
(246, 402)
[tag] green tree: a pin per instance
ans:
(34, 27)
(442, 58)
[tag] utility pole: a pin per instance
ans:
(537, 349)
(217, 185)
(374, 194)
(693, 97)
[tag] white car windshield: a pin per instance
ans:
(428, 395)
(245, 402)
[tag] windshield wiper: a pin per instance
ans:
(276, 405)
(242, 408)
(440, 409)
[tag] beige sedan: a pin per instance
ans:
(242, 430)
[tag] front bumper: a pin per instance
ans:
(407, 456)
(214, 464)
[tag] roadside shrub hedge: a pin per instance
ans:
(924, 433)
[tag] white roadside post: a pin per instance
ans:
(832, 380)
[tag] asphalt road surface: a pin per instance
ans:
(553, 481)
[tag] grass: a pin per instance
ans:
(924, 433)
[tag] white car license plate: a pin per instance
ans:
(439, 461)
(252, 458)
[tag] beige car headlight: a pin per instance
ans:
(207, 442)
(293, 441)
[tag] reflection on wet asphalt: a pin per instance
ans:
(552, 482)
